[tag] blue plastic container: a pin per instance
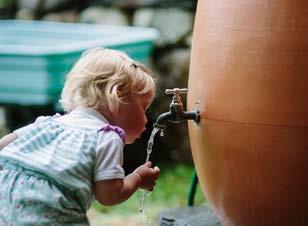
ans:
(35, 56)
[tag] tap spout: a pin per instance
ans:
(176, 117)
(176, 113)
(161, 119)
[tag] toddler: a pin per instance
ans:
(54, 168)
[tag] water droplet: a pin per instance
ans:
(161, 133)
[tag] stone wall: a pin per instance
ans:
(169, 62)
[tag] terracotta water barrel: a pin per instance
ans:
(249, 70)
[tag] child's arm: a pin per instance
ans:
(114, 191)
(7, 139)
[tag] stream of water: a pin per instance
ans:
(144, 195)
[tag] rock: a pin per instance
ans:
(103, 15)
(70, 16)
(188, 216)
(27, 4)
(173, 23)
(25, 14)
(134, 3)
(143, 17)
(53, 17)
(45, 5)
(174, 66)
(189, 4)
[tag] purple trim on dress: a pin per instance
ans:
(116, 129)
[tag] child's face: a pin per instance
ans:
(132, 117)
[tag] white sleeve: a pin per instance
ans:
(23, 130)
(109, 157)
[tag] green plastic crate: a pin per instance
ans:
(35, 56)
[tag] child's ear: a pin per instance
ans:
(120, 110)
(125, 96)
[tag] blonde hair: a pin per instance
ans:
(104, 78)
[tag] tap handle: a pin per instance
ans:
(176, 94)
(176, 91)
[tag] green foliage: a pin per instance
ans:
(5, 2)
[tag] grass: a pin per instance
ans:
(171, 191)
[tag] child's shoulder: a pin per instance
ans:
(41, 119)
(40, 122)
(113, 132)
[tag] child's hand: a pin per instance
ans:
(118, 190)
(148, 176)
